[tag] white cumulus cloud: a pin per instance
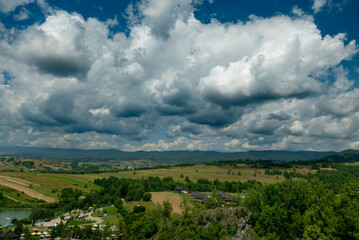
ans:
(10, 5)
(263, 83)
(318, 5)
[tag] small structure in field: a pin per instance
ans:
(181, 189)
(199, 197)
(228, 198)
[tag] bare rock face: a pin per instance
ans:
(234, 220)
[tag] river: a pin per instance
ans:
(13, 213)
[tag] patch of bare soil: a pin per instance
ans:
(19, 186)
(173, 198)
(17, 181)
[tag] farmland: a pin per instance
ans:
(28, 165)
(173, 198)
(22, 187)
(118, 197)
(47, 186)
(222, 173)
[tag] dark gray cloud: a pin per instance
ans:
(257, 98)
(215, 116)
(279, 116)
(185, 129)
(177, 102)
(61, 66)
(128, 109)
(265, 128)
(60, 107)
(191, 128)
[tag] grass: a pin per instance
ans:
(108, 209)
(52, 184)
(173, 198)
(111, 209)
(240, 196)
(72, 180)
(186, 198)
(97, 213)
(6, 203)
(149, 205)
(8, 168)
(17, 195)
(79, 222)
(203, 171)
(41, 164)
(352, 163)
(111, 220)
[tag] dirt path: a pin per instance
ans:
(11, 183)
(17, 181)
(173, 198)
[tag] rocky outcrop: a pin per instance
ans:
(234, 220)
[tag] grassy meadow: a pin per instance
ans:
(51, 184)
(19, 196)
(200, 171)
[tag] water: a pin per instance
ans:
(13, 213)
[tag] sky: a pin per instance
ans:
(159, 75)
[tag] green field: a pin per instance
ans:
(149, 205)
(49, 184)
(111, 220)
(17, 195)
(52, 184)
(74, 181)
(204, 172)
(110, 209)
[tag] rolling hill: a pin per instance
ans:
(168, 157)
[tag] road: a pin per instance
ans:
(15, 200)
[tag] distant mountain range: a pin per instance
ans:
(171, 157)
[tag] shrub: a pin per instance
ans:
(147, 197)
(137, 209)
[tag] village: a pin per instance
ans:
(96, 217)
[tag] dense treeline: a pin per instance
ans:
(115, 189)
(267, 164)
(305, 210)
(134, 189)
(28, 164)
(335, 178)
(166, 166)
